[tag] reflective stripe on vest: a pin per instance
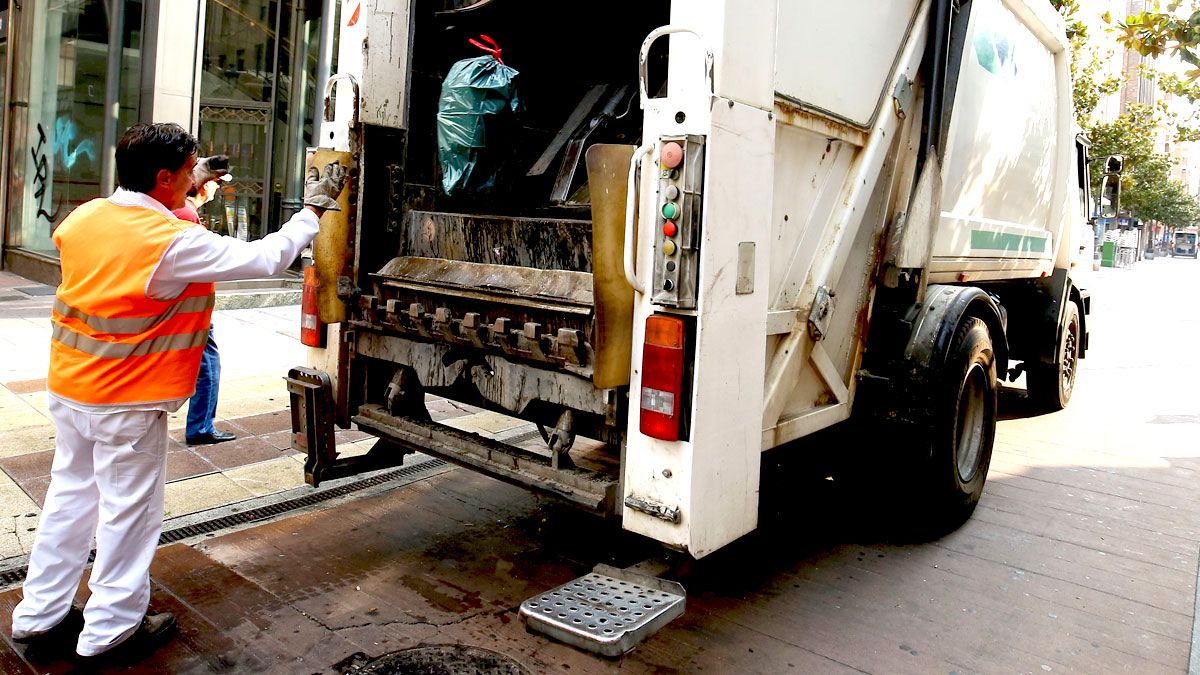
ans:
(135, 325)
(122, 350)
(110, 343)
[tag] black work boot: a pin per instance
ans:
(55, 642)
(153, 632)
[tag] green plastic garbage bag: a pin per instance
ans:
(476, 94)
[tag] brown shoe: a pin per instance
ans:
(153, 632)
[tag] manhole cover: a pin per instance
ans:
(438, 660)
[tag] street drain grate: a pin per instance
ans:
(15, 576)
(433, 660)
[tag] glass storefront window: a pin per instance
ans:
(58, 136)
(237, 94)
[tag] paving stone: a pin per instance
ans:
(36, 489)
(31, 465)
(13, 501)
(184, 463)
(486, 422)
(202, 493)
(279, 439)
(15, 412)
(26, 440)
(268, 477)
(350, 436)
(26, 531)
(237, 453)
(26, 386)
(265, 423)
(39, 401)
(443, 409)
(10, 545)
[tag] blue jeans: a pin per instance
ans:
(202, 408)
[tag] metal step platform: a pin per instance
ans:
(602, 613)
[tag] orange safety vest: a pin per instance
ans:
(110, 344)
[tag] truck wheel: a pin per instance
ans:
(1050, 386)
(963, 428)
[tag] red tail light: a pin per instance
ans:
(662, 377)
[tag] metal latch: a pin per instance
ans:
(902, 96)
(818, 317)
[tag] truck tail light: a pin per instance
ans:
(311, 332)
(662, 377)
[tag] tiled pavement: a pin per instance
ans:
(258, 346)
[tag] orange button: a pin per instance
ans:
(672, 155)
(669, 229)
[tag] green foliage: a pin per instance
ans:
(1154, 196)
(1161, 32)
(1147, 190)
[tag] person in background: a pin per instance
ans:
(128, 329)
(202, 407)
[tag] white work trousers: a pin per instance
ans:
(106, 482)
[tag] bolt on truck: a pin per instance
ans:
(715, 227)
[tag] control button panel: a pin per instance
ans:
(677, 242)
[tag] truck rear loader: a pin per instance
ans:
(715, 227)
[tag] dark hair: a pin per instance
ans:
(146, 149)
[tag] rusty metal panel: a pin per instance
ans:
(573, 290)
(540, 243)
(608, 166)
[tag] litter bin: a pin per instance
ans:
(1108, 254)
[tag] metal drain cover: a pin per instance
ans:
(433, 660)
(603, 614)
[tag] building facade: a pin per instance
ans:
(240, 74)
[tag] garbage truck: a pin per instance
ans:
(709, 229)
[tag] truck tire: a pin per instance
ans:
(962, 429)
(1050, 385)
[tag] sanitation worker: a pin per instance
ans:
(129, 325)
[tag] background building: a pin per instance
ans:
(74, 74)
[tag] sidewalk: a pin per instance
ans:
(258, 346)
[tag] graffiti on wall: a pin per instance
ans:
(65, 131)
(65, 152)
(41, 176)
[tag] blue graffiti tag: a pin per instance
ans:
(64, 132)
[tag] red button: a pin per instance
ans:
(669, 229)
(672, 155)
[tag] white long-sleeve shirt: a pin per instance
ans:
(200, 256)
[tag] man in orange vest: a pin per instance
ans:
(129, 324)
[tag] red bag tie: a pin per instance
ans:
(494, 49)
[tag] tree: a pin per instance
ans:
(1146, 187)
(1159, 32)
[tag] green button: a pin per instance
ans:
(669, 211)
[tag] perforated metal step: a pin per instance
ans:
(603, 614)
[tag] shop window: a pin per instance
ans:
(59, 136)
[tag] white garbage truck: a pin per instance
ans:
(709, 228)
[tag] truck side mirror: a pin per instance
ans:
(1110, 195)
(1110, 187)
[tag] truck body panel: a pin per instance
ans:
(808, 205)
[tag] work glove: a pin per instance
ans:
(210, 168)
(321, 190)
